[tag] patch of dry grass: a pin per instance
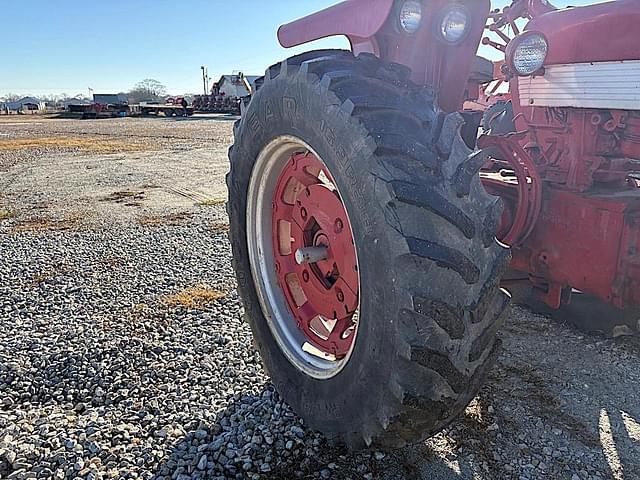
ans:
(194, 297)
(56, 270)
(125, 196)
(6, 214)
(168, 219)
(39, 224)
(137, 321)
(218, 227)
(31, 118)
(112, 261)
(212, 202)
(88, 144)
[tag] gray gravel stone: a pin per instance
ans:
(100, 378)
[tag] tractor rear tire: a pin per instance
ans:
(424, 231)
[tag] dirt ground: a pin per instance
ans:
(79, 169)
(559, 403)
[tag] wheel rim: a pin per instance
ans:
(303, 258)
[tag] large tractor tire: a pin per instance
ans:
(364, 248)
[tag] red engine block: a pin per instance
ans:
(580, 224)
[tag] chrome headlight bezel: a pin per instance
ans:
(536, 44)
(410, 16)
(455, 13)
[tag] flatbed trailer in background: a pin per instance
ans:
(99, 110)
(167, 109)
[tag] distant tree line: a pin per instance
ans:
(10, 97)
(48, 99)
(147, 90)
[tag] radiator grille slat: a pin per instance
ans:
(584, 85)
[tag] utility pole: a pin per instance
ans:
(204, 79)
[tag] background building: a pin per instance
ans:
(24, 105)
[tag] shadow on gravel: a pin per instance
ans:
(464, 450)
(557, 405)
(579, 395)
(258, 436)
(589, 315)
(255, 436)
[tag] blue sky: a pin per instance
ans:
(56, 46)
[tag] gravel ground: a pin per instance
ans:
(123, 353)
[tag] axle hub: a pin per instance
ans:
(311, 254)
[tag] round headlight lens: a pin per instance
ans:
(529, 54)
(454, 24)
(411, 16)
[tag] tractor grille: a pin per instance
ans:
(610, 85)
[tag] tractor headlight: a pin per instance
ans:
(454, 23)
(527, 53)
(411, 16)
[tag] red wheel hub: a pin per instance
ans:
(315, 258)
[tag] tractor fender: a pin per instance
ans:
(357, 19)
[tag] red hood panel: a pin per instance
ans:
(596, 33)
(354, 18)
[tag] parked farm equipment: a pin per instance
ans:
(364, 213)
(226, 95)
(216, 103)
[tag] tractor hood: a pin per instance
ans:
(596, 33)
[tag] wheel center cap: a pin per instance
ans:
(315, 254)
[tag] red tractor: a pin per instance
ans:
(374, 233)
